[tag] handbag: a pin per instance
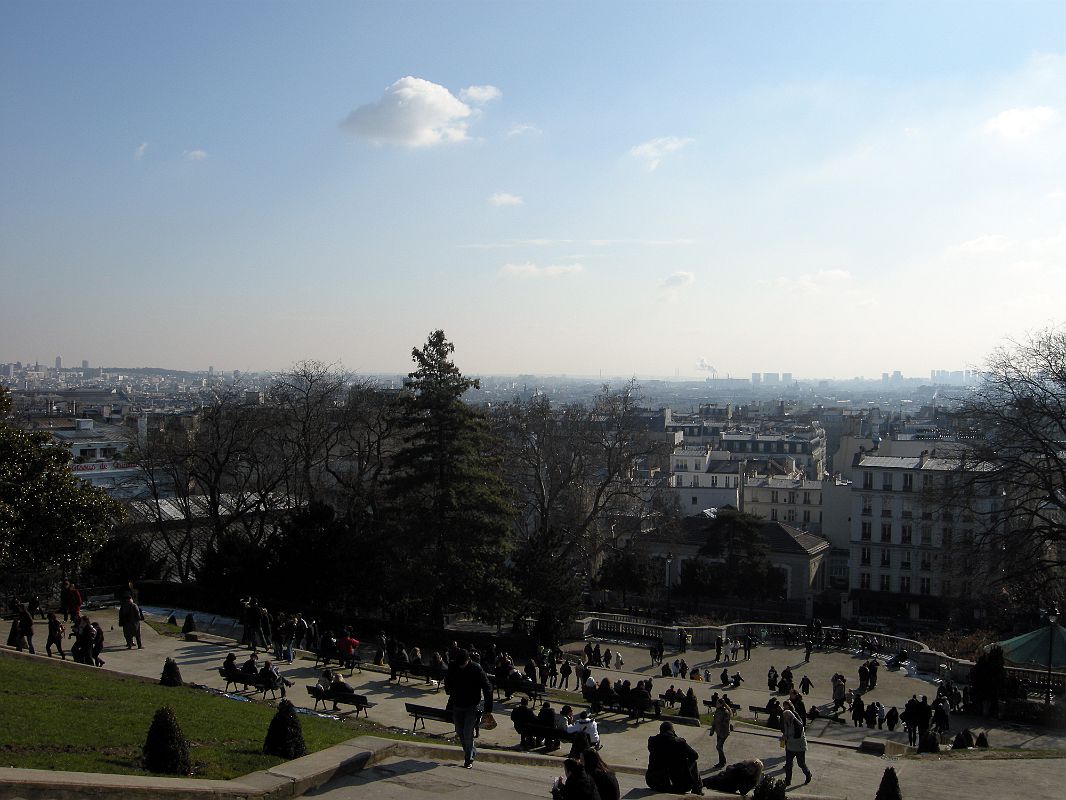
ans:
(781, 742)
(488, 722)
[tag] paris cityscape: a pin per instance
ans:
(583, 400)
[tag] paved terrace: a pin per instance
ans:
(839, 769)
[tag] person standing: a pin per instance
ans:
(795, 743)
(747, 647)
(717, 648)
(721, 727)
(806, 685)
(55, 636)
(129, 619)
(471, 697)
(565, 671)
(25, 629)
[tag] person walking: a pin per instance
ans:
(25, 629)
(55, 636)
(721, 727)
(129, 619)
(806, 685)
(565, 670)
(795, 743)
(470, 695)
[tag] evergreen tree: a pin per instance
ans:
(285, 737)
(166, 749)
(48, 517)
(449, 505)
(889, 788)
(171, 675)
(770, 789)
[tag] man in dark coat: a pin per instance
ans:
(672, 763)
(129, 618)
(550, 719)
(470, 695)
(522, 717)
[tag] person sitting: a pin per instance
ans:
(689, 705)
(586, 724)
(250, 668)
(736, 680)
(229, 666)
(773, 713)
(575, 784)
(549, 719)
(666, 672)
(741, 777)
(694, 674)
(398, 662)
(605, 779)
(522, 717)
(339, 686)
(325, 680)
(639, 701)
(670, 696)
(346, 646)
(327, 648)
(771, 679)
(725, 676)
(672, 763)
(606, 695)
(270, 677)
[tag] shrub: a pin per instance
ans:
(963, 740)
(190, 624)
(889, 788)
(285, 737)
(166, 749)
(982, 740)
(171, 674)
(769, 789)
(927, 742)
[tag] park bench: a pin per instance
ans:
(428, 671)
(579, 740)
(322, 696)
(732, 705)
(534, 691)
(324, 657)
(422, 713)
(249, 682)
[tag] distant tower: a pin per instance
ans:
(210, 370)
(85, 363)
(786, 377)
(756, 378)
(59, 362)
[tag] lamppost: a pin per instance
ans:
(669, 561)
(1052, 618)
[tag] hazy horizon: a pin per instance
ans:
(636, 189)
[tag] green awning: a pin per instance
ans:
(1031, 649)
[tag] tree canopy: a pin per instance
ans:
(48, 517)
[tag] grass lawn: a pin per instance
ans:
(53, 717)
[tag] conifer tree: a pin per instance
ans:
(889, 788)
(285, 737)
(166, 749)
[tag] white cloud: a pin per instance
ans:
(989, 243)
(590, 242)
(506, 199)
(1056, 195)
(138, 154)
(194, 155)
(520, 128)
(531, 270)
(677, 280)
(654, 151)
(480, 94)
(412, 112)
(812, 282)
(1021, 123)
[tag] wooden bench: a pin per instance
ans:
(534, 691)
(431, 673)
(322, 696)
(757, 710)
(734, 706)
(248, 681)
(422, 713)
(578, 739)
(335, 655)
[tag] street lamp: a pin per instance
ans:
(669, 561)
(1052, 618)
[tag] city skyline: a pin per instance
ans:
(653, 189)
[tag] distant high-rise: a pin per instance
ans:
(210, 370)
(756, 378)
(771, 377)
(85, 363)
(59, 362)
(786, 377)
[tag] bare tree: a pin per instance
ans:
(1017, 464)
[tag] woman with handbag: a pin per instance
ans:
(794, 741)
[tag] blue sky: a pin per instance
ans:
(831, 189)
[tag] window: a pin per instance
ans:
(867, 507)
(905, 533)
(714, 480)
(926, 564)
(680, 480)
(864, 556)
(945, 536)
(886, 583)
(790, 515)
(773, 496)
(694, 501)
(773, 515)
(923, 586)
(695, 480)
(908, 482)
(905, 584)
(806, 517)
(886, 481)
(886, 531)
(867, 480)
(905, 560)
(867, 531)
(864, 580)
(806, 498)
(791, 497)
(886, 558)
(927, 534)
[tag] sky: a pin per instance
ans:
(624, 188)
